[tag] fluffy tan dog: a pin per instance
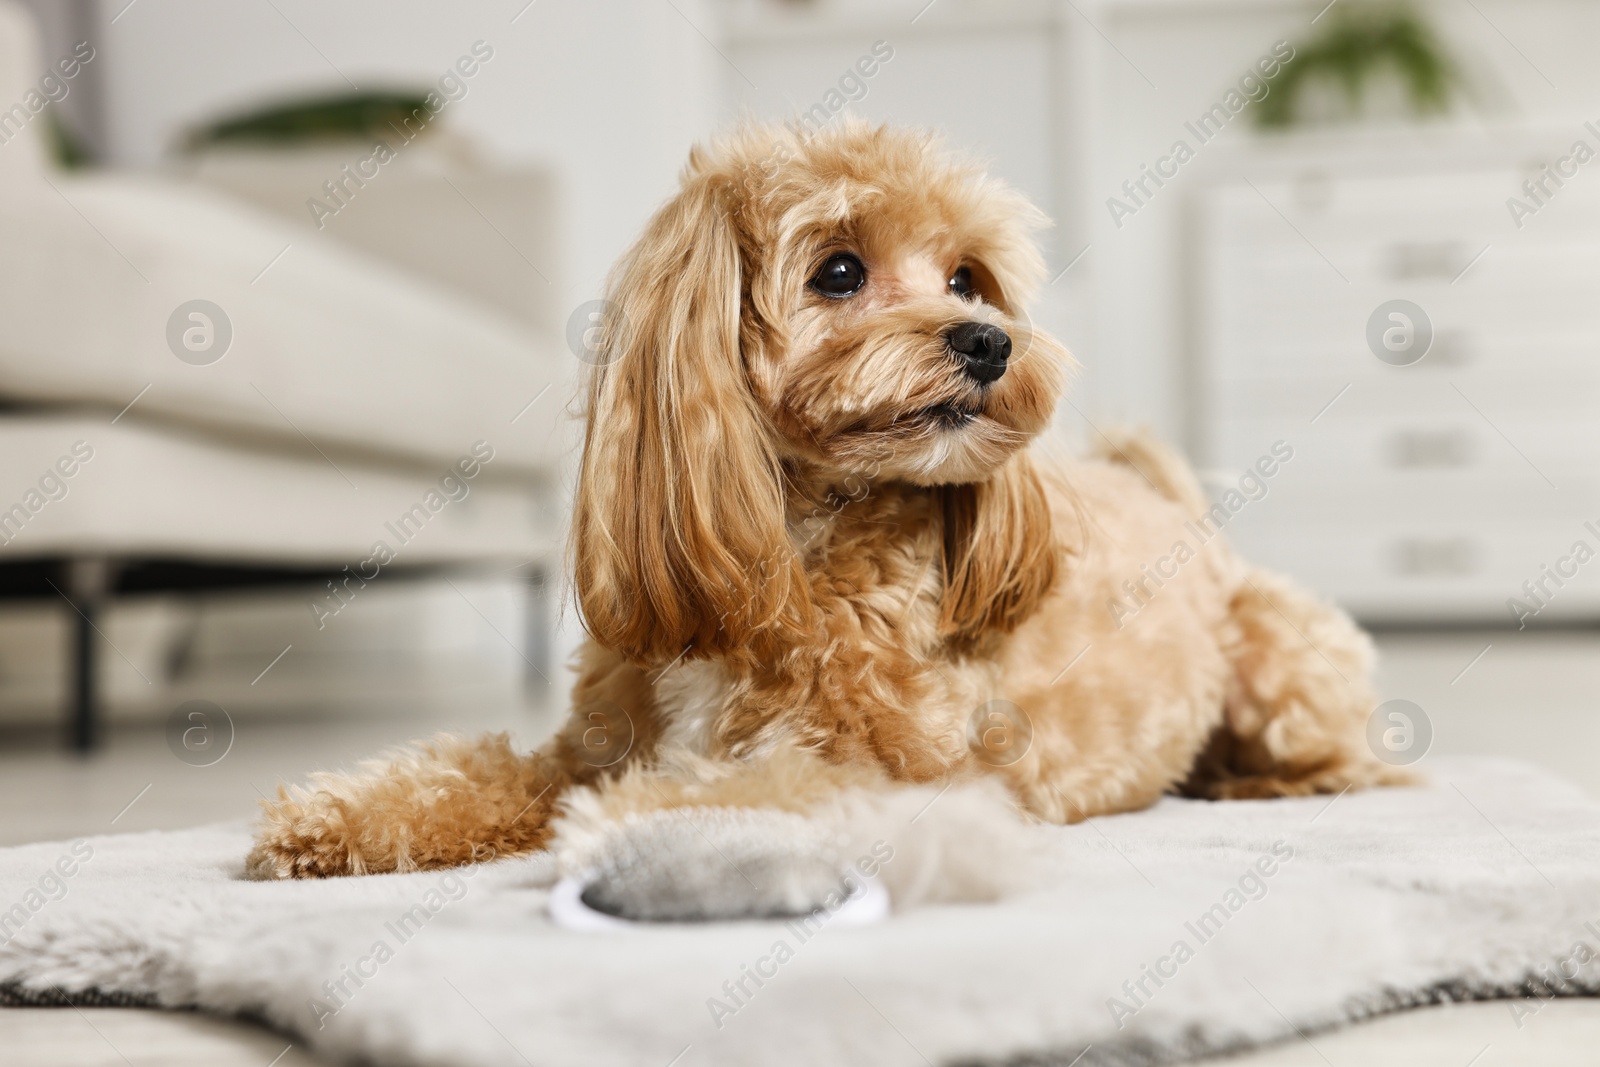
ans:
(814, 549)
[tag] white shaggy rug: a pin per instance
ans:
(1191, 928)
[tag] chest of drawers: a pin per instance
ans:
(1425, 492)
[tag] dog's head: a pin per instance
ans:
(841, 308)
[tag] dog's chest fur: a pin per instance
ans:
(875, 682)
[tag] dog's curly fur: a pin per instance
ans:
(808, 545)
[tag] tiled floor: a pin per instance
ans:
(1532, 697)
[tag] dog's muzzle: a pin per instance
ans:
(981, 348)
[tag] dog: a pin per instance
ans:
(816, 547)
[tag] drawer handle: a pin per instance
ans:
(1411, 449)
(1450, 557)
(1411, 261)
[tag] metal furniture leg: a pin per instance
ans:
(88, 582)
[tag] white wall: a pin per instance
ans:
(609, 93)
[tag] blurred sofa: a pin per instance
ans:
(231, 391)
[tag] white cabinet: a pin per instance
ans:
(1426, 491)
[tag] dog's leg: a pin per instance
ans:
(439, 803)
(1296, 716)
(450, 801)
(1136, 742)
(785, 779)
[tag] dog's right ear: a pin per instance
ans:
(678, 535)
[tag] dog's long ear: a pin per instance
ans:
(1000, 557)
(678, 531)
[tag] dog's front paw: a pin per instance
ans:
(303, 840)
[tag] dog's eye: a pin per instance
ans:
(961, 283)
(842, 275)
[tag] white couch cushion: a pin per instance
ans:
(74, 485)
(326, 342)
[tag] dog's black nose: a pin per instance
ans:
(982, 349)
